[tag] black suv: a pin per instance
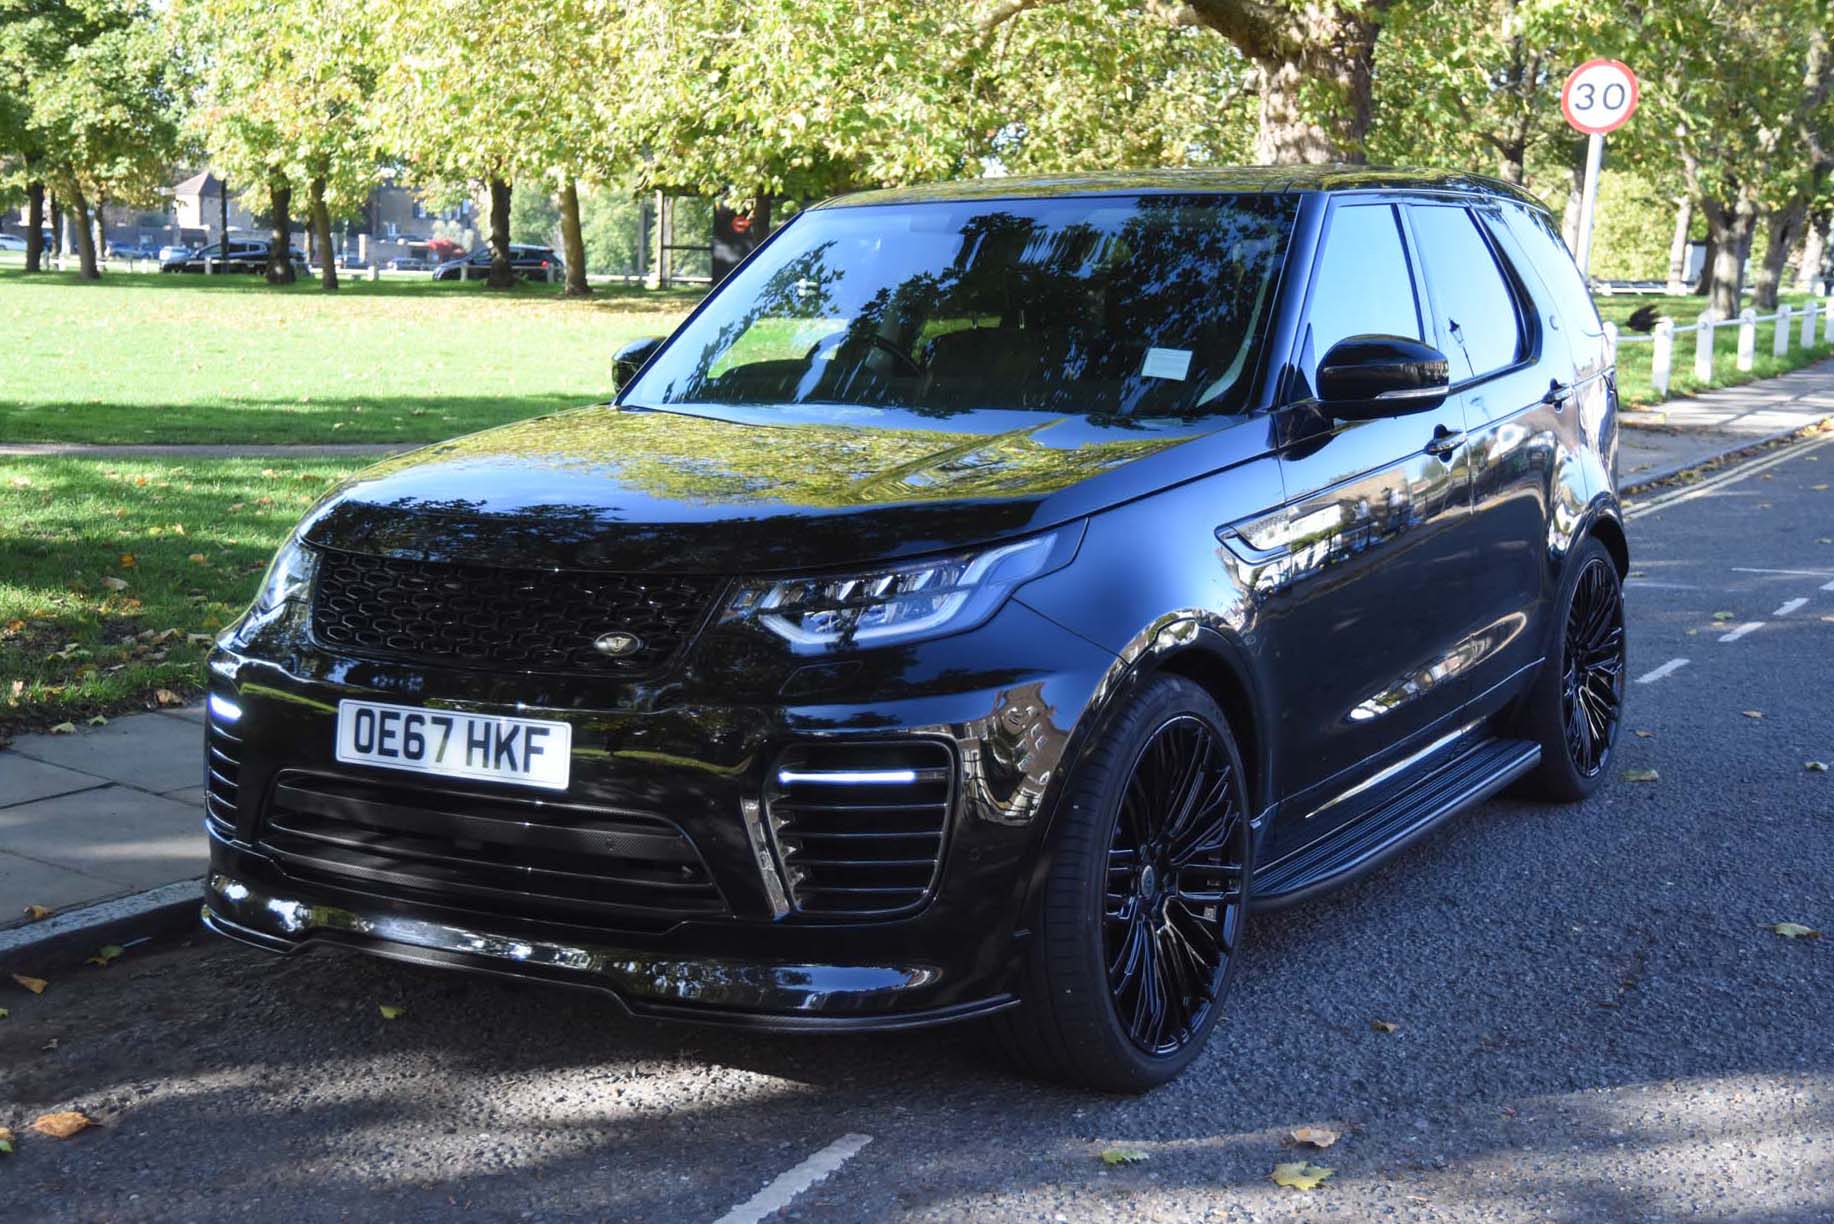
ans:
(985, 600)
(245, 255)
(526, 261)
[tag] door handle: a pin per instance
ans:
(1445, 442)
(1557, 394)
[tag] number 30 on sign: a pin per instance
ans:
(1599, 96)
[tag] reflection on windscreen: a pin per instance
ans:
(1150, 306)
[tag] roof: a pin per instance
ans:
(205, 184)
(1232, 180)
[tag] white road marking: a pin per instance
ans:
(1666, 586)
(1743, 569)
(1789, 606)
(776, 1196)
(1742, 630)
(1827, 586)
(1667, 669)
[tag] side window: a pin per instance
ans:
(1477, 312)
(1534, 232)
(1363, 286)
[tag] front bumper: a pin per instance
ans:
(1004, 699)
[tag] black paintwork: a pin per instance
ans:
(1367, 596)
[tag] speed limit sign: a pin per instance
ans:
(1599, 96)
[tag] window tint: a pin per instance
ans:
(1363, 285)
(1477, 311)
(1534, 231)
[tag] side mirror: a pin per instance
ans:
(1365, 377)
(628, 360)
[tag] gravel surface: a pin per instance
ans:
(1592, 1021)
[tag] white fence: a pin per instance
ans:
(1663, 338)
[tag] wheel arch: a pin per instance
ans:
(1608, 530)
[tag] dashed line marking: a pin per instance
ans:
(779, 1193)
(1746, 569)
(1827, 586)
(1667, 669)
(1742, 630)
(1789, 606)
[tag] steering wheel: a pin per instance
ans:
(875, 340)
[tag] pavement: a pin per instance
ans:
(1592, 1019)
(106, 811)
(1662, 440)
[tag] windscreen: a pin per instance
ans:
(1143, 306)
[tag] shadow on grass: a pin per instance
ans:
(312, 420)
(623, 298)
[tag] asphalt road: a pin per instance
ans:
(1592, 1020)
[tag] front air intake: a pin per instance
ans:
(860, 827)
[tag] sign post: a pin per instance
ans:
(1600, 95)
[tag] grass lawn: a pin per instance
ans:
(1634, 357)
(141, 357)
(114, 574)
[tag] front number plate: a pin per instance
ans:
(524, 751)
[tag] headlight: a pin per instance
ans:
(898, 603)
(289, 577)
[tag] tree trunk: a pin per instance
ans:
(85, 235)
(280, 232)
(97, 217)
(321, 234)
(502, 275)
(761, 215)
(1731, 227)
(573, 241)
(1316, 67)
(1708, 259)
(1784, 226)
(35, 227)
(1678, 246)
(1814, 251)
(57, 226)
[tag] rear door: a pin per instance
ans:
(1365, 619)
(1514, 379)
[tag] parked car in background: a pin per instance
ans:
(174, 251)
(10, 242)
(984, 600)
(245, 255)
(352, 263)
(528, 261)
(408, 263)
(129, 250)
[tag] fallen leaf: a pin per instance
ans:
(1300, 1175)
(1317, 1136)
(167, 697)
(64, 728)
(199, 639)
(127, 561)
(106, 955)
(113, 583)
(1646, 735)
(6, 1140)
(1641, 775)
(49, 1045)
(391, 1011)
(1752, 713)
(98, 720)
(35, 985)
(1383, 1026)
(1724, 616)
(1820, 488)
(1795, 930)
(1123, 1156)
(1815, 766)
(62, 1125)
(4, 1013)
(35, 912)
(198, 559)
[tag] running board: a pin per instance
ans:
(1473, 774)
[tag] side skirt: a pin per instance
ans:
(1450, 785)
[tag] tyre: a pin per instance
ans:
(1143, 906)
(1576, 707)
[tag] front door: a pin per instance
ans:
(1364, 624)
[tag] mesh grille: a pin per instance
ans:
(860, 827)
(480, 616)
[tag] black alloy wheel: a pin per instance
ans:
(1143, 907)
(1576, 706)
(1173, 904)
(1592, 682)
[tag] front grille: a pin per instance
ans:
(481, 616)
(859, 827)
(529, 858)
(222, 773)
